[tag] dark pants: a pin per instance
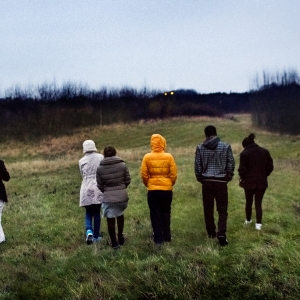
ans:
(159, 203)
(258, 195)
(92, 212)
(212, 190)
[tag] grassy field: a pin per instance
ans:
(45, 256)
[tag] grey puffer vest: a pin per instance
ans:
(112, 179)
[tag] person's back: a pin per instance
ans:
(256, 165)
(158, 169)
(214, 168)
(159, 174)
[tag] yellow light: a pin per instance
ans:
(172, 93)
(165, 94)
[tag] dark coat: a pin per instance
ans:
(4, 175)
(256, 164)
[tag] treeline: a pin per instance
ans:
(50, 110)
(275, 104)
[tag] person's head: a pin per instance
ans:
(109, 151)
(248, 140)
(157, 143)
(210, 130)
(89, 146)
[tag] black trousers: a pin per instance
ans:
(159, 203)
(215, 191)
(256, 195)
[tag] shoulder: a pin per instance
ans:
(224, 145)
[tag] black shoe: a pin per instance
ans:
(115, 246)
(223, 240)
(121, 239)
(212, 236)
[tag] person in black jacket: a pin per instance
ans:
(256, 164)
(4, 175)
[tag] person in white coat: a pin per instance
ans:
(90, 196)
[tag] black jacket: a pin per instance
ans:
(256, 164)
(4, 175)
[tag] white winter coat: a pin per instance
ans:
(89, 192)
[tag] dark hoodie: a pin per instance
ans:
(4, 175)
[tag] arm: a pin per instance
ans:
(230, 164)
(144, 172)
(270, 166)
(99, 182)
(127, 177)
(243, 166)
(4, 175)
(173, 170)
(198, 165)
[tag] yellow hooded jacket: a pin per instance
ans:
(158, 169)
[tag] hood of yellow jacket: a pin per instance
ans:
(158, 143)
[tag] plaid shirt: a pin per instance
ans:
(214, 160)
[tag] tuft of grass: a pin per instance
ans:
(45, 256)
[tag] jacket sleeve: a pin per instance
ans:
(173, 170)
(270, 166)
(198, 165)
(144, 172)
(127, 177)
(99, 181)
(243, 166)
(230, 164)
(4, 175)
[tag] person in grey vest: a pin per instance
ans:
(113, 179)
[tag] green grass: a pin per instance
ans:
(46, 257)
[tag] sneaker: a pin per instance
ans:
(89, 237)
(222, 240)
(258, 226)
(121, 239)
(247, 222)
(98, 239)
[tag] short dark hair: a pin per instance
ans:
(210, 130)
(109, 151)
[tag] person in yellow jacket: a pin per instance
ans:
(159, 174)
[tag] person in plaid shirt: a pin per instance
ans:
(214, 168)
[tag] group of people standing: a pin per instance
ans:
(214, 168)
(105, 178)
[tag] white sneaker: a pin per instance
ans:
(247, 222)
(258, 226)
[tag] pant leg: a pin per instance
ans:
(2, 236)
(155, 216)
(259, 194)
(89, 217)
(222, 206)
(249, 194)
(111, 225)
(208, 195)
(166, 201)
(97, 220)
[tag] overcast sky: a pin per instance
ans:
(208, 46)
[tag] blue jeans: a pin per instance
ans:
(93, 212)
